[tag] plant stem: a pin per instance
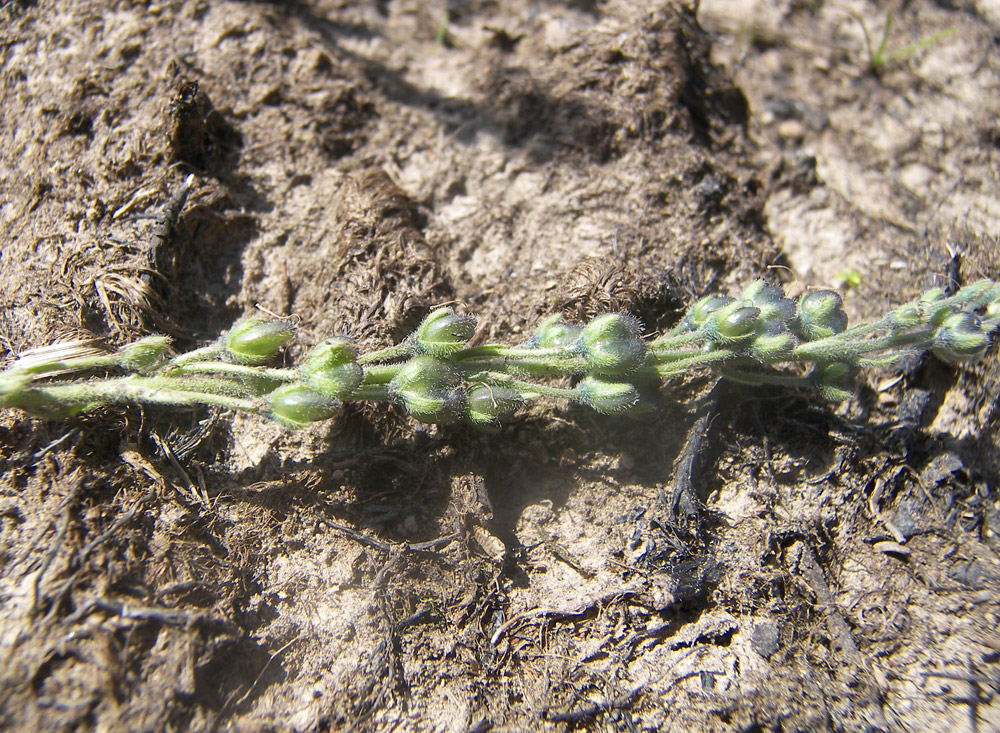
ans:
(372, 392)
(205, 352)
(677, 368)
(526, 388)
(756, 378)
(237, 370)
(400, 351)
(380, 373)
(669, 342)
(834, 348)
(142, 389)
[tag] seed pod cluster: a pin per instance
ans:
(758, 337)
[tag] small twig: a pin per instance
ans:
(67, 507)
(122, 520)
(589, 712)
(260, 676)
(843, 639)
(418, 547)
(166, 218)
(39, 455)
(873, 506)
(134, 613)
(682, 496)
(560, 614)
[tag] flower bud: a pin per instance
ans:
(960, 338)
(834, 380)
(443, 332)
(776, 311)
(254, 340)
(906, 316)
(296, 405)
(933, 312)
(606, 396)
(331, 368)
(981, 291)
(776, 347)
(733, 324)
(144, 353)
(485, 404)
(13, 381)
(820, 314)
(649, 397)
(552, 333)
(16, 391)
(429, 389)
(40, 404)
(611, 344)
(700, 312)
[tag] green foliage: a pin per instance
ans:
(880, 57)
(760, 337)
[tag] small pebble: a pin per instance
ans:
(765, 639)
(891, 547)
(792, 130)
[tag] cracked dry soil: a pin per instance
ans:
(355, 163)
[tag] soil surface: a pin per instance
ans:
(738, 560)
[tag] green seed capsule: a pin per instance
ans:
(607, 396)
(254, 340)
(429, 389)
(486, 404)
(932, 311)
(701, 311)
(773, 348)
(16, 392)
(835, 381)
(612, 344)
(331, 368)
(552, 333)
(906, 317)
(296, 406)
(443, 332)
(820, 314)
(12, 382)
(144, 353)
(960, 338)
(776, 311)
(733, 324)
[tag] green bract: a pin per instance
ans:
(933, 310)
(296, 406)
(553, 333)
(429, 389)
(960, 338)
(820, 314)
(733, 324)
(486, 404)
(443, 332)
(835, 381)
(700, 312)
(255, 340)
(605, 395)
(144, 353)
(612, 344)
(776, 311)
(907, 316)
(332, 368)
